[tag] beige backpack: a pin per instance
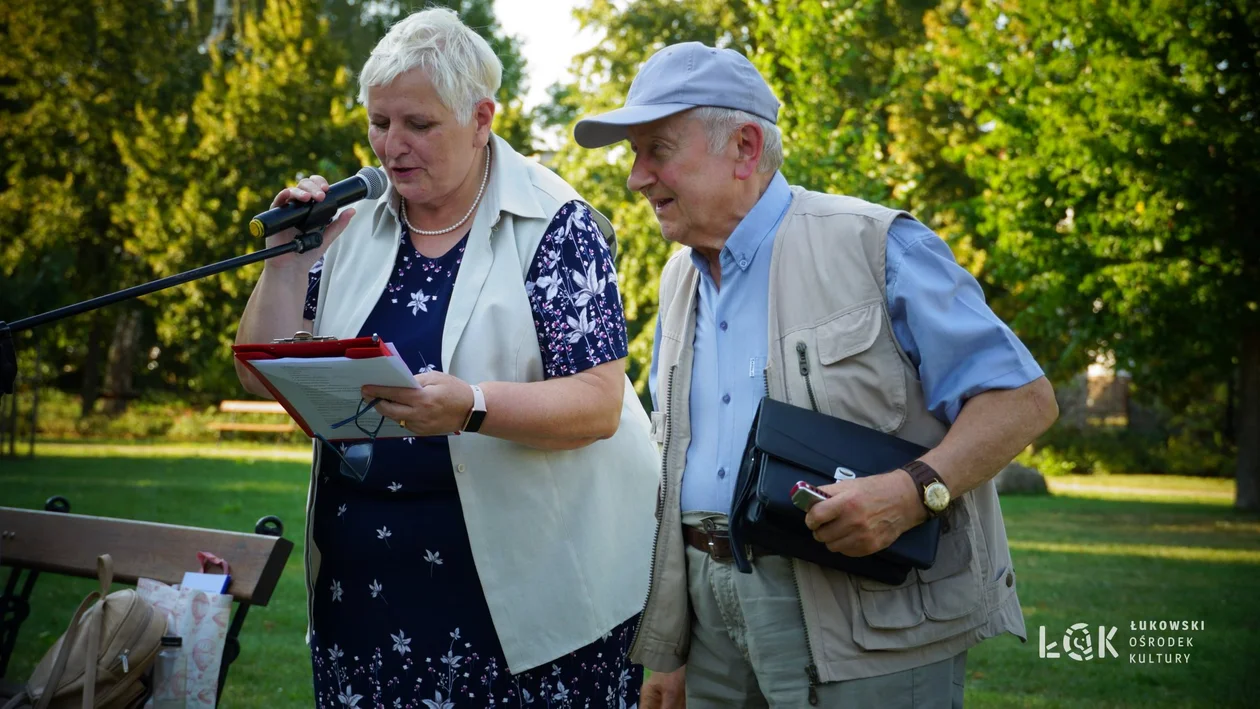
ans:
(119, 632)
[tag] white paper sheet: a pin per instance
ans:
(325, 390)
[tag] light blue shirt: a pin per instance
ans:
(939, 317)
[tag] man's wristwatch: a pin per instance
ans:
(933, 492)
(478, 412)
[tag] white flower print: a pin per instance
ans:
(341, 511)
(384, 533)
(336, 590)
(582, 326)
(589, 284)
(394, 486)
(375, 587)
(434, 559)
(397, 702)
(336, 653)
(402, 643)
(451, 659)
(551, 283)
(562, 694)
(437, 702)
(348, 698)
(418, 300)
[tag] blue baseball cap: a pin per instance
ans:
(678, 78)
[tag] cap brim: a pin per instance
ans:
(609, 128)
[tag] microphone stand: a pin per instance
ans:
(8, 353)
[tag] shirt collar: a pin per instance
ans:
(744, 243)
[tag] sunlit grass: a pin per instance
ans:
(1080, 556)
(1150, 551)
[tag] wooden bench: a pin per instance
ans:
(252, 407)
(57, 542)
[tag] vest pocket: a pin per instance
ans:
(859, 371)
(951, 588)
(890, 607)
(933, 604)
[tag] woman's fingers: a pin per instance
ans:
(314, 187)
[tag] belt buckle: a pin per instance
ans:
(711, 531)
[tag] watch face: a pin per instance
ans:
(936, 497)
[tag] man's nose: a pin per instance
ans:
(640, 176)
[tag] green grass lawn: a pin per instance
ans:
(1118, 549)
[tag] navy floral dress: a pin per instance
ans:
(399, 617)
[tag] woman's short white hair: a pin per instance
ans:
(722, 122)
(459, 62)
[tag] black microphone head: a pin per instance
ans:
(376, 181)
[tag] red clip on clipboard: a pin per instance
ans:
(302, 345)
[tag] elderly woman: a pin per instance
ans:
(500, 555)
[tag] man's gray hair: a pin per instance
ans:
(459, 62)
(721, 122)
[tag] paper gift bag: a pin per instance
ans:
(201, 619)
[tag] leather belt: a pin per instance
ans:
(717, 544)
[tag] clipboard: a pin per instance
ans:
(304, 345)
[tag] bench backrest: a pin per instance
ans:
(251, 407)
(68, 544)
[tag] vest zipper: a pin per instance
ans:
(811, 670)
(660, 501)
(801, 357)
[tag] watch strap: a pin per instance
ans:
(477, 414)
(924, 475)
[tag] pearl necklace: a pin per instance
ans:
(402, 213)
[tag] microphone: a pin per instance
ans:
(368, 183)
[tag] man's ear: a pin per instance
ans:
(749, 144)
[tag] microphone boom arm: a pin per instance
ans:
(8, 352)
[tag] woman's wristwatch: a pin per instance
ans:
(478, 412)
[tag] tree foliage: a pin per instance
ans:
(139, 137)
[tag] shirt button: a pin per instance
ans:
(721, 472)
(722, 325)
(1010, 579)
(743, 263)
(726, 398)
(459, 468)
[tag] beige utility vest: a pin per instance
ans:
(561, 539)
(827, 300)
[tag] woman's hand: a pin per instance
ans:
(312, 188)
(438, 407)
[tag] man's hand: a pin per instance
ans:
(866, 515)
(664, 690)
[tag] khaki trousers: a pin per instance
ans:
(748, 646)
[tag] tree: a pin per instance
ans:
(70, 74)
(850, 93)
(273, 107)
(631, 35)
(1119, 157)
(358, 26)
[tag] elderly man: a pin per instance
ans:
(846, 307)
